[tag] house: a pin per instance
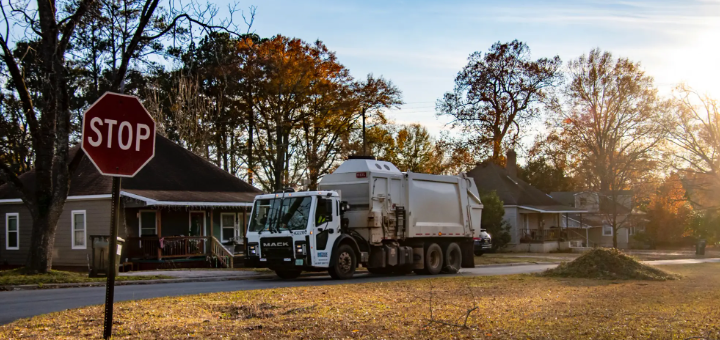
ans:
(535, 219)
(601, 209)
(180, 210)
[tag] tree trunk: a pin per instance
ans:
(42, 241)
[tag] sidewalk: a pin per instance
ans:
(179, 276)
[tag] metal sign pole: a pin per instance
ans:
(112, 251)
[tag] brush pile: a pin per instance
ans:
(608, 264)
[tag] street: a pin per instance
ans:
(26, 303)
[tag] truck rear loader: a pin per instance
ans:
(367, 213)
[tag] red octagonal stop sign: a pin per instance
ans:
(118, 135)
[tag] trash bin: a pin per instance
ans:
(700, 247)
(99, 255)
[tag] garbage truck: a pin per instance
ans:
(367, 213)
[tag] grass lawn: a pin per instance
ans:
(508, 307)
(16, 277)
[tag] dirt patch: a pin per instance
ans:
(608, 264)
(257, 311)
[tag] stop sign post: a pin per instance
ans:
(118, 135)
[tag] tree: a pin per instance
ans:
(52, 26)
(497, 93)
(542, 174)
(414, 149)
(610, 123)
(493, 219)
(375, 95)
(694, 132)
(668, 213)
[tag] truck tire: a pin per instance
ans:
(343, 263)
(433, 260)
(288, 273)
(453, 258)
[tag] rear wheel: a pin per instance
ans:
(433, 260)
(288, 273)
(453, 258)
(343, 263)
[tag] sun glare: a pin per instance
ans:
(697, 63)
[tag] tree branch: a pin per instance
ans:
(72, 21)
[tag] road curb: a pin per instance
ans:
(133, 282)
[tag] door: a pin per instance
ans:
(241, 226)
(197, 223)
(324, 231)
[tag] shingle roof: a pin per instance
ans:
(174, 174)
(513, 191)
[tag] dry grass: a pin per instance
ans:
(18, 277)
(509, 307)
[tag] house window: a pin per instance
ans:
(148, 223)
(12, 231)
(227, 226)
(583, 201)
(607, 230)
(631, 231)
(79, 229)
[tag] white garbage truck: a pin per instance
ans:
(367, 213)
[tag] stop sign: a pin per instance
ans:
(118, 135)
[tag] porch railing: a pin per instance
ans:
(219, 252)
(553, 234)
(153, 247)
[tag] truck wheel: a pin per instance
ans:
(288, 273)
(433, 260)
(344, 263)
(453, 258)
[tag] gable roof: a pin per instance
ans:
(173, 175)
(489, 176)
(606, 202)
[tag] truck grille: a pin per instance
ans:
(276, 247)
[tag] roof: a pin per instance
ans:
(489, 176)
(605, 198)
(173, 175)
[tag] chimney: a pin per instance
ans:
(511, 164)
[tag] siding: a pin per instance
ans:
(98, 223)
(15, 257)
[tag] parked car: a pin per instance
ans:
(483, 243)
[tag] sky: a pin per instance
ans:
(421, 45)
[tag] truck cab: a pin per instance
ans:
(290, 232)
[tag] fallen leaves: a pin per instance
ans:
(509, 307)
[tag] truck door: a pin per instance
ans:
(325, 230)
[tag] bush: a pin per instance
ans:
(493, 219)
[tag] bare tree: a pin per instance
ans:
(610, 123)
(694, 133)
(497, 92)
(53, 25)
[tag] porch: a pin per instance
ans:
(181, 237)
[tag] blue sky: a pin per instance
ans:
(421, 45)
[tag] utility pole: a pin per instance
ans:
(363, 132)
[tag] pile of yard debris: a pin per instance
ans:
(609, 264)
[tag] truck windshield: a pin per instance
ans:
(278, 214)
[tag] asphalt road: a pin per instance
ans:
(26, 303)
